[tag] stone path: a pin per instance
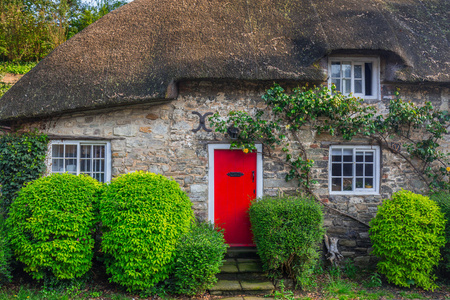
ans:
(242, 274)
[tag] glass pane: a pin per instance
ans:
(336, 184)
(348, 169)
(99, 165)
(369, 170)
(368, 78)
(369, 183)
(99, 151)
(336, 158)
(71, 165)
(358, 71)
(359, 169)
(369, 156)
(57, 165)
(348, 184)
(57, 151)
(336, 170)
(85, 165)
(359, 183)
(358, 86)
(71, 150)
(347, 86)
(86, 151)
(347, 69)
(348, 155)
(359, 156)
(335, 69)
(337, 83)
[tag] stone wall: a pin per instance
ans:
(159, 138)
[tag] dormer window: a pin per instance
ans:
(355, 75)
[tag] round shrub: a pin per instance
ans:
(407, 233)
(5, 254)
(52, 222)
(199, 256)
(287, 232)
(144, 215)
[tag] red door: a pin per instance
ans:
(234, 188)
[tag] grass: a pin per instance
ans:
(18, 68)
(4, 87)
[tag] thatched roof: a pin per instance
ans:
(138, 51)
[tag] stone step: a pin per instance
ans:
(242, 252)
(246, 287)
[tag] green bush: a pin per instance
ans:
(144, 215)
(5, 254)
(287, 232)
(51, 225)
(443, 200)
(407, 233)
(199, 256)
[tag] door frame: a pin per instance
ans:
(259, 174)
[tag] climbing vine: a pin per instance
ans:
(21, 160)
(326, 111)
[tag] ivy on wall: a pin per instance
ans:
(22, 159)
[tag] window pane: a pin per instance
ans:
(99, 166)
(369, 183)
(369, 170)
(358, 86)
(86, 151)
(71, 150)
(358, 71)
(369, 156)
(348, 155)
(336, 184)
(359, 169)
(335, 69)
(71, 165)
(336, 170)
(368, 78)
(348, 184)
(99, 151)
(336, 158)
(337, 83)
(347, 83)
(359, 183)
(57, 165)
(57, 151)
(347, 69)
(359, 156)
(348, 169)
(85, 165)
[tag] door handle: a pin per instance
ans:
(253, 176)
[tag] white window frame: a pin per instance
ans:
(376, 177)
(376, 89)
(79, 143)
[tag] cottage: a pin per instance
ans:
(133, 92)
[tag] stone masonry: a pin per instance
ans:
(159, 138)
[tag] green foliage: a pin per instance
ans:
(328, 111)
(350, 269)
(21, 160)
(5, 254)
(407, 233)
(51, 225)
(4, 87)
(374, 281)
(143, 215)
(283, 294)
(443, 200)
(199, 256)
(287, 232)
(16, 67)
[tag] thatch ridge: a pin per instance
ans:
(137, 52)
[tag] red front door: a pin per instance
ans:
(234, 188)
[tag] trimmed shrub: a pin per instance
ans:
(5, 254)
(199, 256)
(287, 232)
(443, 200)
(144, 215)
(407, 233)
(51, 225)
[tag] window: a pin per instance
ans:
(354, 169)
(359, 76)
(82, 157)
